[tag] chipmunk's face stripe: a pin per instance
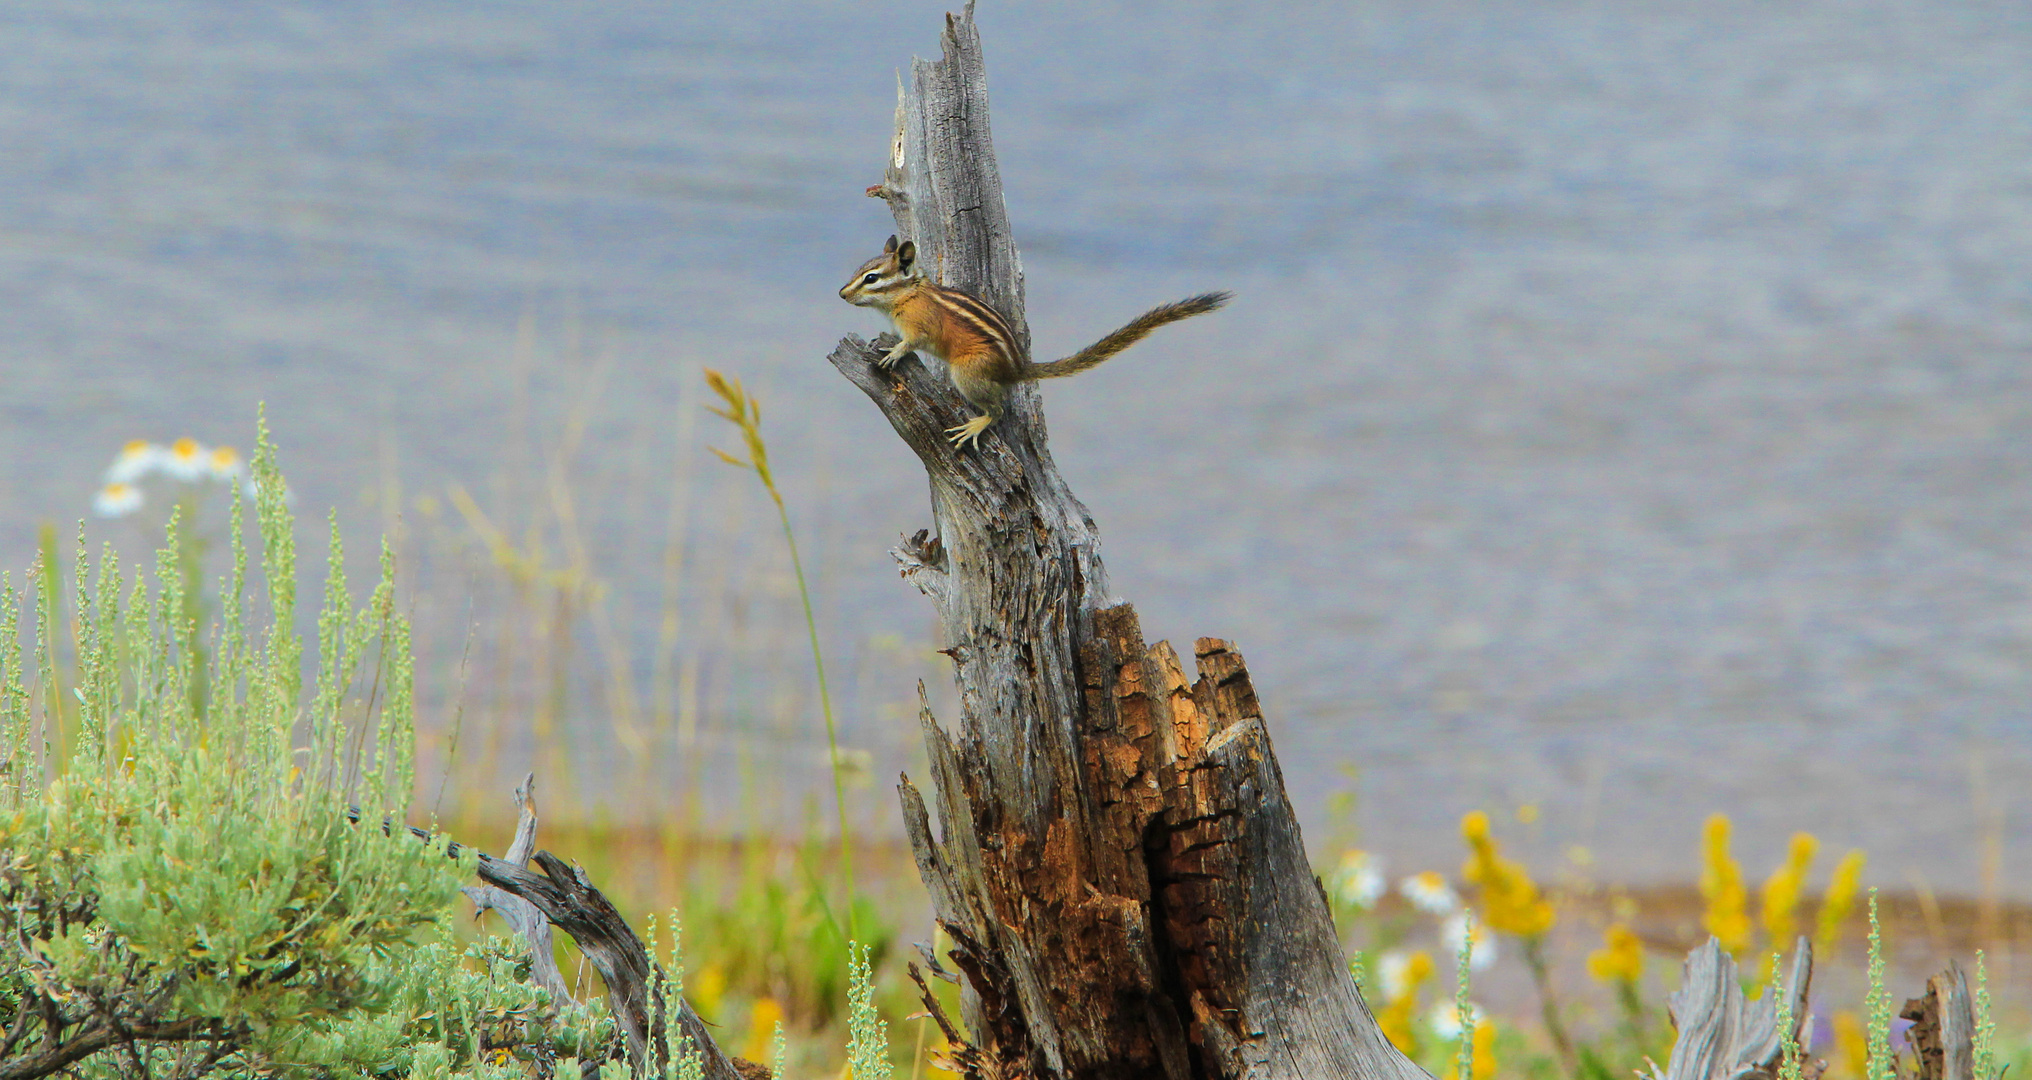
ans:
(876, 279)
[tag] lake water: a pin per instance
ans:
(1625, 409)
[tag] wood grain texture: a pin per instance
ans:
(522, 917)
(1943, 1029)
(1724, 1036)
(1114, 856)
(568, 899)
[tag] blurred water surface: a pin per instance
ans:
(1625, 410)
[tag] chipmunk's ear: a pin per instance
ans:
(906, 254)
(891, 245)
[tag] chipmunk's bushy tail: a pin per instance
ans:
(1137, 330)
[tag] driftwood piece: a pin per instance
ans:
(1723, 1036)
(522, 917)
(634, 988)
(566, 897)
(1116, 863)
(1943, 1028)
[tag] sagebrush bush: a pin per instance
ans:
(186, 889)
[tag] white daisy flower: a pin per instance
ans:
(225, 464)
(117, 500)
(1393, 974)
(187, 460)
(1455, 928)
(1445, 1020)
(137, 459)
(1359, 879)
(1429, 892)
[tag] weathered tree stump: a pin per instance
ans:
(1117, 862)
(1943, 1028)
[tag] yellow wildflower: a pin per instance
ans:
(1508, 900)
(1721, 883)
(762, 1021)
(1401, 976)
(1485, 1050)
(707, 989)
(1851, 1048)
(1781, 890)
(1395, 1021)
(1839, 901)
(1621, 957)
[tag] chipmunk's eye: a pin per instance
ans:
(870, 279)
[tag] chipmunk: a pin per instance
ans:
(975, 342)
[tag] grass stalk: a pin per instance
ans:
(1548, 1004)
(745, 413)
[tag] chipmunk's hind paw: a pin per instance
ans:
(969, 432)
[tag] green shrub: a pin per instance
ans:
(184, 888)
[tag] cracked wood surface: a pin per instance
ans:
(1115, 859)
(1943, 1029)
(1723, 1035)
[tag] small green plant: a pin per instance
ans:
(1878, 1004)
(185, 889)
(1985, 1049)
(867, 1032)
(1790, 1063)
(676, 1056)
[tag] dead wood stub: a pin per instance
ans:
(1942, 1035)
(567, 899)
(522, 917)
(634, 986)
(1722, 1034)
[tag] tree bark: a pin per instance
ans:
(1117, 862)
(635, 982)
(1943, 1027)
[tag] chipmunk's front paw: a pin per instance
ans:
(969, 432)
(888, 360)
